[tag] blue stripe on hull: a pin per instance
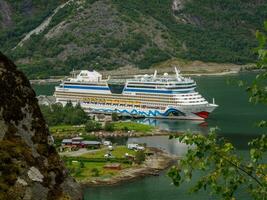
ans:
(150, 113)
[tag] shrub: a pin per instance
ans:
(56, 114)
(95, 172)
(140, 157)
(109, 127)
(81, 164)
(92, 126)
(114, 116)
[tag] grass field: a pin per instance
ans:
(66, 128)
(118, 152)
(92, 170)
(87, 170)
(132, 126)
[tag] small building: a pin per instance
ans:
(66, 142)
(79, 142)
(116, 166)
(77, 139)
(93, 144)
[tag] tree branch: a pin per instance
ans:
(243, 170)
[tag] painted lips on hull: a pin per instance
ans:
(203, 114)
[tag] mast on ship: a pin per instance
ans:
(155, 74)
(178, 76)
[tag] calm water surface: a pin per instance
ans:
(234, 117)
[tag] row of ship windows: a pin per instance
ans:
(189, 95)
(160, 87)
(137, 98)
(126, 105)
(166, 103)
(192, 101)
(164, 84)
(192, 98)
(146, 103)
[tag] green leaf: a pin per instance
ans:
(265, 25)
(261, 38)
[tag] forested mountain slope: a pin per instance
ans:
(108, 34)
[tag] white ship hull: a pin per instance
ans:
(181, 112)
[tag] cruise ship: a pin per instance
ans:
(151, 96)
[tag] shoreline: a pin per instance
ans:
(152, 166)
(115, 134)
(185, 73)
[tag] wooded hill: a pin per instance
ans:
(108, 34)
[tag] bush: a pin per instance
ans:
(140, 157)
(125, 128)
(109, 127)
(95, 172)
(114, 116)
(56, 114)
(81, 164)
(92, 126)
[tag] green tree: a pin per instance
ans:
(95, 172)
(114, 116)
(109, 127)
(82, 164)
(92, 126)
(140, 157)
(225, 171)
(56, 114)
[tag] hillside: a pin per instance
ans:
(108, 34)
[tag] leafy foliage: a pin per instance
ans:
(114, 116)
(95, 172)
(92, 125)
(225, 171)
(140, 157)
(109, 127)
(139, 33)
(56, 114)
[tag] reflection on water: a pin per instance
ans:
(177, 125)
(239, 139)
(172, 146)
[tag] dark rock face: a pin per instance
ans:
(30, 167)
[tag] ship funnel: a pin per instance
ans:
(155, 74)
(213, 101)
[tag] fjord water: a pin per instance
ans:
(235, 117)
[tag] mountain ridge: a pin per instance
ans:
(109, 34)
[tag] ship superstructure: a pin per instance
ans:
(165, 96)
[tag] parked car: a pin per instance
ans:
(136, 147)
(107, 143)
(132, 146)
(140, 148)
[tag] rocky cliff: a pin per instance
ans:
(30, 167)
